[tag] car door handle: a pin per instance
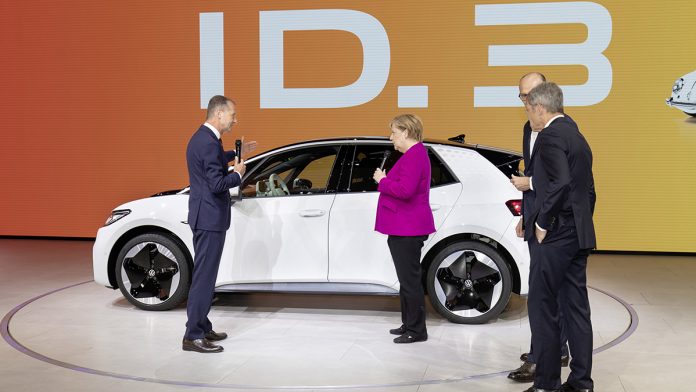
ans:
(312, 213)
(435, 207)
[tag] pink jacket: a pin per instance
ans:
(403, 208)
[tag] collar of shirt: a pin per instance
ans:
(551, 120)
(215, 131)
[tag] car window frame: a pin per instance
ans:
(333, 173)
(347, 166)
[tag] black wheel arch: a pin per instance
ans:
(512, 266)
(134, 232)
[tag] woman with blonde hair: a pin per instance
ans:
(403, 213)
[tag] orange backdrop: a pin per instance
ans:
(100, 98)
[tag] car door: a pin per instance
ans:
(357, 253)
(279, 229)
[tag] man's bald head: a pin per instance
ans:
(528, 82)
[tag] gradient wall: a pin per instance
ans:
(99, 98)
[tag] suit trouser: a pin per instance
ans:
(558, 278)
(564, 336)
(207, 246)
(406, 253)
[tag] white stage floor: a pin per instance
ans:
(83, 337)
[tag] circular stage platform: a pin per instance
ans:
(283, 341)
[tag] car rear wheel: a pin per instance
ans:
(153, 272)
(469, 282)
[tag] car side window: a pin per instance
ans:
(439, 173)
(367, 158)
(303, 171)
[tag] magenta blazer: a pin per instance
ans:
(403, 207)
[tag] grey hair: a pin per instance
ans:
(548, 95)
(216, 103)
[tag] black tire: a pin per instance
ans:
(475, 297)
(160, 268)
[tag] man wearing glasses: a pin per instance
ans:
(524, 183)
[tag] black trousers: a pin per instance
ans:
(406, 253)
(207, 246)
(564, 337)
(558, 280)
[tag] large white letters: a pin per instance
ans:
(589, 53)
(376, 58)
(212, 52)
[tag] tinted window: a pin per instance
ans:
(508, 163)
(301, 171)
(367, 158)
(439, 173)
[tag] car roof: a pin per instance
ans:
(457, 141)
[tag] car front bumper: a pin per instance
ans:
(683, 106)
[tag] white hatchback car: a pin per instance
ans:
(684, 94)
(306, 224)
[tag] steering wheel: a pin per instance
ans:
(271, 184)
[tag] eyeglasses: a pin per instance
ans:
(522, 96)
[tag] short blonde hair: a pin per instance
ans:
(410, 123)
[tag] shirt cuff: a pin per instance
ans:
(539, 227)
(530, 184)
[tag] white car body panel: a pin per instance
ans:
(685, 98)
(169, 212)
(277, 239)
(357, 253)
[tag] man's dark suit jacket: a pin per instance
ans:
(561, 167)
(209, 199)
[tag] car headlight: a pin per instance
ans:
(676, 88)
(116, 215)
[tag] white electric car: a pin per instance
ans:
(305, 223)
(684, 94)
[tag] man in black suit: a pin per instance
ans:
(209, 217)
(525, 373)
(560, 228)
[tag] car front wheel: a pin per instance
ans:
(469, 282)
(153, 272)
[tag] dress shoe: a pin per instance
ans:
(398, 331)
(408, 338)
(565, 360)
(524, 373)
(201, 346)
(569, 388)
(533, 389)
(215, 336)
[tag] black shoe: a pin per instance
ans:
(398, 331)
(200, 346)
(533, 389)
(524, 373)
(564, 359)
(407, 338)
(215, 336)
(569, 388)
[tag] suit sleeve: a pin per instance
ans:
(230, 155)
(218, 178)
(555, 163)
(403, 184)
